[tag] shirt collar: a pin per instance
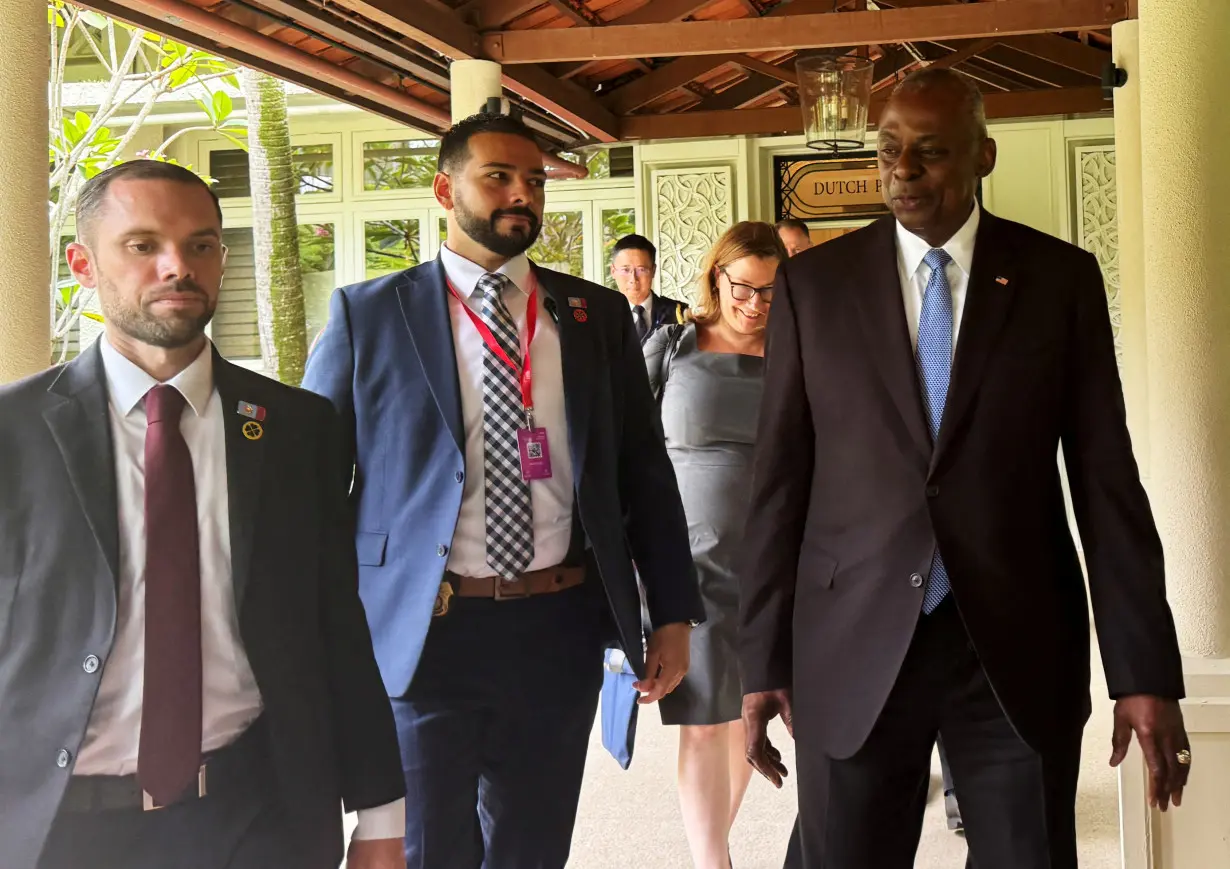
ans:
(647, 304)
(127, 383)
(465, 275)
(911, 249)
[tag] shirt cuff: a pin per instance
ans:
(382, 822)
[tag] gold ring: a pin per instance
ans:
(1184, 757)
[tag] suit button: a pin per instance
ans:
(90, 664)
(932, 491)
(63, 758)
(441, 550)
(916, 580)
(459, 476)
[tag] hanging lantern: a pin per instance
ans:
(834, 95)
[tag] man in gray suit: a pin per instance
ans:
(186, 674)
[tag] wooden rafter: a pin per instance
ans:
(440, 29)
(654, 12)
(783, 74)
(789, 119)
(663, 80)
(493, 14)
(1064, 52)
(768, 33)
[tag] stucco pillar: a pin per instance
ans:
(1174, 231)
(25, 315)
(471, 84)
(1184, 64)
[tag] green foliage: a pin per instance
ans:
(399, 165)
(316, 248)
(137, 69)
(560, 244)
(390, 246)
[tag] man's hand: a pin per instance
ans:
(758, 710)
(666, 661)
(376, 854)
(1158, 723)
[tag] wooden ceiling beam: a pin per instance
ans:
(654, 12)
(769, 33)
(1037, 70)
(576, 13)
(789, 119)
(739, 95)
(663, 80)
(1064, 52)
(436, 27)
(772, 70)
(494, 14)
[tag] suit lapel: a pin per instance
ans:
(576, 354)
(884, 328)
(988, 300)
(423, 297)
(245, 458)
(81, 428)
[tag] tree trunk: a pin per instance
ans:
(275, 229)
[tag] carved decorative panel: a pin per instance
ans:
(692, 207)
(1097, 226)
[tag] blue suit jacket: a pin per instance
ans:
(386, 360)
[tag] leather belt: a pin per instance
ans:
(545, 581)
(232, 770)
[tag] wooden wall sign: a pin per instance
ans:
(816, 189)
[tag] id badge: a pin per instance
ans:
(535, 454)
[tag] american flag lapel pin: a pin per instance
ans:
(576, 302)
(1003, 282)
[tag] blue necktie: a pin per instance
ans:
(934, 371)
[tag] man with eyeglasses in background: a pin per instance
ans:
(633, 265)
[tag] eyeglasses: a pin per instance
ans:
(639, 271)
(744, 292)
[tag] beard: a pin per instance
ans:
(169, 331)
(483, 230)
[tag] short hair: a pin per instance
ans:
(792, 223)
(942, 78)
(93, 194)
(455, 144)
(636, 242)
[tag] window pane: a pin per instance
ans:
(561, 244)
(598, 163)
(314, 165)
(390, 246)
(399, 165)
(616, 223)
(234, 324)
(316, 264)
(443, 230)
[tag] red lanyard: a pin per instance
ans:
(522, 371)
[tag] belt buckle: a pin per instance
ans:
(148, 804)
(511, 589)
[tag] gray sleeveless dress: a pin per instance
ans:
(710, 404)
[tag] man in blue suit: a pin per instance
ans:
(509, 471)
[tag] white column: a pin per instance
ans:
(471, 84)
(25, 313)
(1174, 211)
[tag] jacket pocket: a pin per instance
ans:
(371, 546)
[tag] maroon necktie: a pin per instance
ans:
(170, 753)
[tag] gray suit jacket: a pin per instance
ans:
(332, 736)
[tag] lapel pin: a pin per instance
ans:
(251, 411)
(253, 430)
(1003, 282)
(576, 302)
(579, 315)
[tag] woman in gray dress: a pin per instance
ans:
(707, 375)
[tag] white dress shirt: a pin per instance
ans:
(550, 499)
(230, 699)
(915, 273)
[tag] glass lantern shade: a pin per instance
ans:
(834, 95)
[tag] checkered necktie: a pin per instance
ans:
(934, 371)
(510, 518)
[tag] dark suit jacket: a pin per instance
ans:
(386, 359)
(850, 499)
(331, 729)
(665, 312)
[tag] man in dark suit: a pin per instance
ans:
(509, 468)
(186, 675)
(634, 263)
(911, 574)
